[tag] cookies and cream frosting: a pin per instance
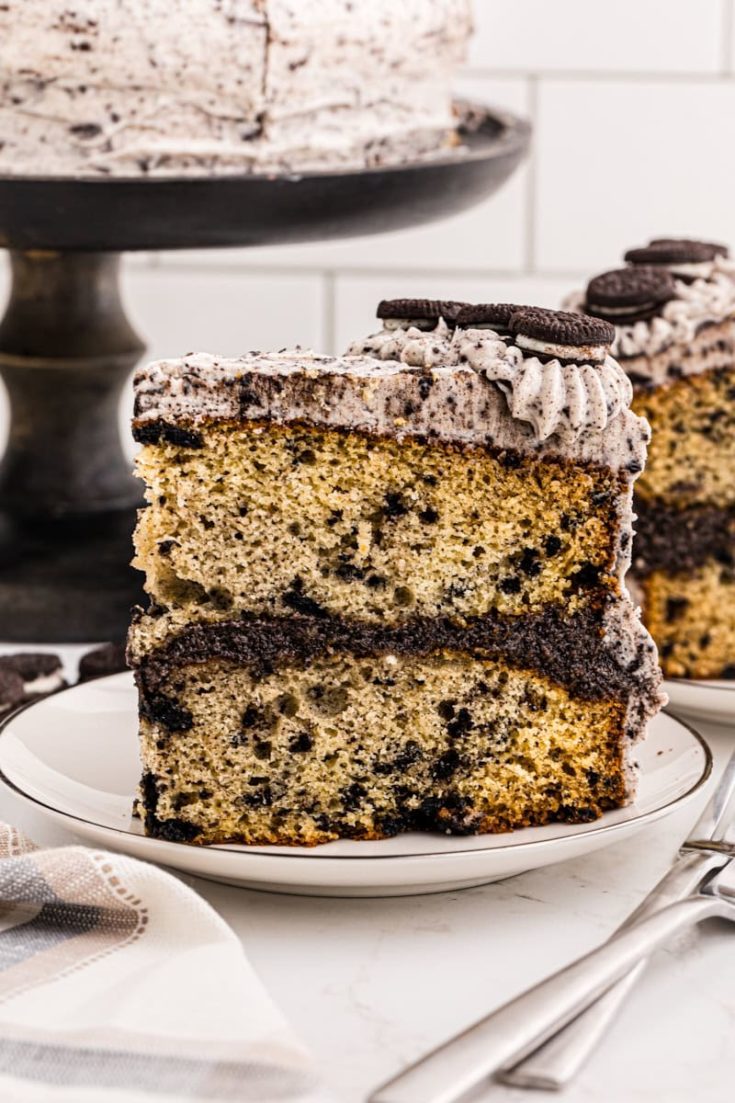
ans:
(696, 304)
(125, 87)
(467, 387)
(555, 396)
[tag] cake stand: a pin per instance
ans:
(67, 496)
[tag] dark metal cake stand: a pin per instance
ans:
(67, 497)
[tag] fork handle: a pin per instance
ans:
(552, 1065)
(514, 1030)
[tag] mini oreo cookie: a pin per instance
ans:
(40, 671)
(558, 333)
(676, 251)
(107, 659)
(424, 313)
(488, 315)
(12, 692)
(629, 294)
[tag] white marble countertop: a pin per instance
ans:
(372, 984)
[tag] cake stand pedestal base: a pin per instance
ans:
(67, 494)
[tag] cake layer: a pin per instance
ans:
(368, 747)
(591, 654)
(691, 458)
(691, 615)
(281, 518)
(677, 540)
(105, 87)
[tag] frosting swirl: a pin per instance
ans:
(696, 304)
(553, 396)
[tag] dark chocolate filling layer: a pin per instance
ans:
(569, 651)
(681, 540)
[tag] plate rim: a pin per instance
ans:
(296, 853)
(701, 683)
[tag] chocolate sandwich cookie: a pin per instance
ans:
(40, 672)
(419, 313)
(12, 693)
(687, 259)
(717, 248)
(560, 335)
(488, 316)
(628, 295)
(107, 659)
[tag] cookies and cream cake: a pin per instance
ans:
(387, 587)
(146, 86)
(674, 312)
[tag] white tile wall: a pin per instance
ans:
(633, 105)
(622, 36)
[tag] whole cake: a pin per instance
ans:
(387, 588)
(150, 86)
(674, 312)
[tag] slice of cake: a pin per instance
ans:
(674, 312)
(387, 587)
(124, 87)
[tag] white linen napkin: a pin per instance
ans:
(118, 984)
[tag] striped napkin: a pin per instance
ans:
(118, 984)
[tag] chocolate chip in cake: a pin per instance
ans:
(301, 743)
(675, 608)
(421, 313)
(394, 505)
(296, 599)
(669, 250)
(628, 295)
(552, 545)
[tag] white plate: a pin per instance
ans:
(703, 700)
(74, 755)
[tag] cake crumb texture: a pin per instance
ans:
(691, 615)
(691, 457)
(367, 748)
(298, 519)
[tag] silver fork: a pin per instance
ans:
(711, 844)
(516, 1029)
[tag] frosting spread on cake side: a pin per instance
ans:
(107, 87)
(455, 399)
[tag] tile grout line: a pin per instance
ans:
(360, 272)
(727, 38)
(329, 311)
(605, 75)
(530, 196)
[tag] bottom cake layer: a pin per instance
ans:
(364, 748)
(691, 616)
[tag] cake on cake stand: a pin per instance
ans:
(67, 496)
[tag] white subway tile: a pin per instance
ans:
(643, 36)
(358, 296)
(491, 235)
(225, 312)
(620, 162)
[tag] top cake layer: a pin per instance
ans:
(467, 386)
(269, 85)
